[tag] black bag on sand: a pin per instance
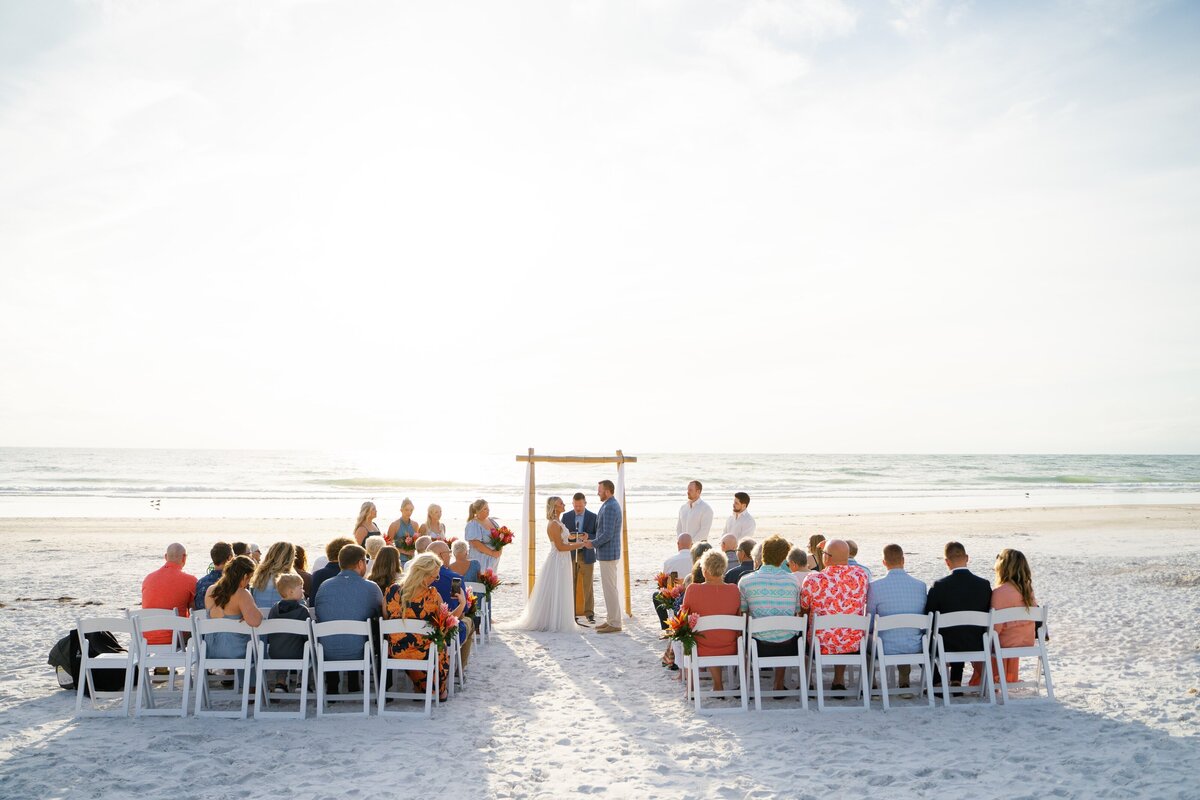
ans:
(66, 657)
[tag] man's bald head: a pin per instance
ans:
(837, 552)
(440, 549)
(176, 553)
(728, 543)
(684, 541)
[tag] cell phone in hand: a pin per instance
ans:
(455, 586)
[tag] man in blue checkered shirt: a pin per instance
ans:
(897, 593)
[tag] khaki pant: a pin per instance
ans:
(585, 593)
(609, 573)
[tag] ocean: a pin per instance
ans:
(59, 482)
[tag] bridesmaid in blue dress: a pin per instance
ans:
(401, 528)
(478, 533)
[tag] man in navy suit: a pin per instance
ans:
(961, 590)
(580, 520)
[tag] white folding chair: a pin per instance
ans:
(171, 657)
(428, 665)
(264, 661)
(953, 619)
(241, 666)
(364, 665)
(721, 622)
(1036, 650)
(881, 662)
(484, 630)
(456, 668)
(818, 661)
(757, 662)
(87, 663)
(144, 613)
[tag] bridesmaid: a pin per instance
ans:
(433, 527)
(365, 526)
(478, 533)
(401, 528)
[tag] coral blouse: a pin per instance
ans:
(1012, 634)
(708, 599)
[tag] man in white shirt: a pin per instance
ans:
(695, 516)
(680, 564)
(740, 524)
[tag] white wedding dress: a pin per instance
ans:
(551, 607)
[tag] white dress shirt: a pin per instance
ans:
(740, 525)
(680, 563)
(695, 519)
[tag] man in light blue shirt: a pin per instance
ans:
(897, 592)
(854, 552)
(347, 595)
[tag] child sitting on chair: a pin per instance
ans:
(287, 645)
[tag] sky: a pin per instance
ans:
(664, 226)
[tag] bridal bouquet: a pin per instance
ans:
(499, 538)
(490, 581)
(681, 628)
(444, 627)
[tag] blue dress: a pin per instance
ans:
(475, 532)
(405, 529)
(227, 645)
(268, 596)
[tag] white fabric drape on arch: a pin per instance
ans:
(520, 543)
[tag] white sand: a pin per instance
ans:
(557, 715)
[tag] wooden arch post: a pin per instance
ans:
(531, 549)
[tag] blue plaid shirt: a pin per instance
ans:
(897, 593)
(608, 531)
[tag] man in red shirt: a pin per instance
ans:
(840, 588)
(169, 587)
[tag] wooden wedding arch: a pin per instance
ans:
(620, 459)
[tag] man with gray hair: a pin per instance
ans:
(797, 562)
(169, 587)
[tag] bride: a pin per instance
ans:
(551, 607)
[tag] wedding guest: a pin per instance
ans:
(1014, 587)
(422, 544)
(837, 589)
(433, 527)
(254, 551)
(241, 549)
(897, 592)
(385, 568)
(229, 598)
(300, 567)
(404, 526)
(580, 522)
(729, 545)
(714, 596)
(756, 555)
(365, 525)
(347, 595)
(331, 565)
(816, 553)
(745, 561)
(290, 646)
(961, 590)
(220, 554)
(169, 587)
(372, 545)
(462, 563)
(695, 516)
(798, 564)
(770, 592)
(415, 598)
(279, 560)
(479, 532)
(854, 552)
(740, 524)
(457, 601)
(698, 551)
(680, 563)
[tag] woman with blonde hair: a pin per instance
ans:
(433, 527)
(1014, 587)
(280, 558)
(551, 607)
(403, 528)
(415, 597)
(714, 596)
(385, 568)
(479, 532)
(365, 526)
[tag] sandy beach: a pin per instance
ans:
(572, 714)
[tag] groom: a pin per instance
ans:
(608, 553)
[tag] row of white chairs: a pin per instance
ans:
(187, 660)
(872, 663)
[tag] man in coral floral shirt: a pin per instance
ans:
(840, 588)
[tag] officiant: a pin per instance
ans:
(579, 520)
